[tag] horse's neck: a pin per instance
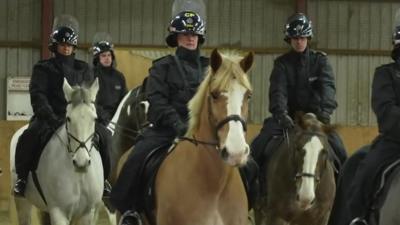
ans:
(115, 118)
(205, 131)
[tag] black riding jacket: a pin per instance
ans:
(302, 82)
(46, 85)
(386, 99)
(169, 88)
(112, 88)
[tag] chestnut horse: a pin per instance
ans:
(199, 182)
(300, 178)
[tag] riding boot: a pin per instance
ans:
(24, 154)
(102, 141)
(130, 217)
(19, 187)
(249, 173)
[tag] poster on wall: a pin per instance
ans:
(18, 99)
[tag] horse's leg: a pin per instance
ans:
(23, 208)
(88, 218)
(57, 217)
(112, 217)
(259, 212)
(44, 217)
(271, 219)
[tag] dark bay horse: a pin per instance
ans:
(301, 183)
(199, 181)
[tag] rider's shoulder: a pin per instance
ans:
(318, 52)
(163, 60)
(81, 64)
(388, 66)
(205, 61)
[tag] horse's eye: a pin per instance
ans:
(68, 119)
(215, 94)
(249, 96)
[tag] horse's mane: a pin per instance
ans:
(309, 122)
(219, 81)
(80, 95)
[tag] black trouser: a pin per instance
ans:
(340, 212)
(29, 147)
(124, 195)
(270, 129)
(249, 173)
(382, 153)
(104, 147)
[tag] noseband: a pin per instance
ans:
(82, 144)
(229, 118)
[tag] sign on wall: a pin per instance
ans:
(18, 99)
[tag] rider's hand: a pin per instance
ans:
(180, 128)
(324, 117)
(284, 120)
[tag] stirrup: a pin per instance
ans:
(130, 213)
(358, 221)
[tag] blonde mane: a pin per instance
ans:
(220, 81)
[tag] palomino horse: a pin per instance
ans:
(199, 182)
(70, 172)
(300, 175)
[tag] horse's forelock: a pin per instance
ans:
(219, 80)
(80, 95)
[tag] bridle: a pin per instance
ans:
(82, 144)
(220, 124)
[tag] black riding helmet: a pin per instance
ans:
(396, 43)
(100, 47)
(185, 22)
(298, 25)
(62, 34)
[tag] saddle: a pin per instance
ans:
(385, 179)
(148, 173)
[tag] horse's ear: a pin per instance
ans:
(94, 88)
(215, 60)
(67, 90)
(247, 62)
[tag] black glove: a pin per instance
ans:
(284, 120)
(324, 117)
(180, 128)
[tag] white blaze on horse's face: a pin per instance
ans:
(306, 192)
(235, 143)
(80, 127)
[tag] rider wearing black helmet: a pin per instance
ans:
(301, 80)
(112, 82)
(47, 97)
(171, 83)
(385, 102)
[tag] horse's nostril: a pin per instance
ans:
(224, 153)
(89, 162)
(74, 162)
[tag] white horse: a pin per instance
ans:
(70, 172)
